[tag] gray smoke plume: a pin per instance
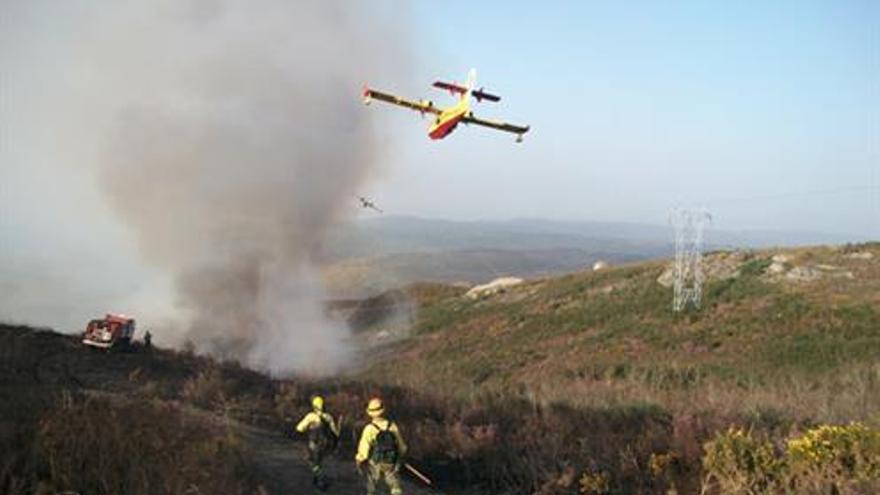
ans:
(233, 138)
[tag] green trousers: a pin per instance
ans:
(316, 459)
(388, 473)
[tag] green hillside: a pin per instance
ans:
(800, 338)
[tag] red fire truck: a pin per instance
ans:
(114, 330)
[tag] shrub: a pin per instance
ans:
(661, 466)
(99, 446)
(206, 390)
(827, 459)
(834, 459)
(594, 483)
(737, 462)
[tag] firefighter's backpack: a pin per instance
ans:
(385, 448)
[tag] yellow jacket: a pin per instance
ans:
(368, 438)
(312, 420)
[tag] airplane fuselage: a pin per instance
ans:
(449, 118)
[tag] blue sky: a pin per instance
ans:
(768, 113)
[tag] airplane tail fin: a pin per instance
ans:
(471, 82)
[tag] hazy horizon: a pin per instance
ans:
(386, 216)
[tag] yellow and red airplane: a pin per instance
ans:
(448, 118)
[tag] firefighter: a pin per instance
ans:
(380, 451)
(323, 435)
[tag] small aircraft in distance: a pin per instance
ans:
(448, 118)
(366, 203)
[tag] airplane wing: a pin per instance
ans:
(494, 124)
(451, 87)
(479, 94)
(419, 106)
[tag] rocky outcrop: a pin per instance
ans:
(779, 264)
(667, 278)
(860, 255)
(716, 266)
(496, 286)
(724, 265)
(781, 269)
(803, 274)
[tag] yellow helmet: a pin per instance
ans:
(375, 408)
(318, 403)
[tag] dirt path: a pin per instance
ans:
(282, 467)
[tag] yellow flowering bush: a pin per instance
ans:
(594, 483)
(832, 458)
(827, 459)
(737, 462)
(659, 464)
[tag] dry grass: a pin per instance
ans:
(100, 445)
(551, 369)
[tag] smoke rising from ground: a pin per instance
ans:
(228, 136)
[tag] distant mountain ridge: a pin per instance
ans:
(399, 234)
(366, 256)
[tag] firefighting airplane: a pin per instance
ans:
(366, 203)
(448, 118)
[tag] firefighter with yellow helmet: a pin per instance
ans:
(323, 435)
(380, 451)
